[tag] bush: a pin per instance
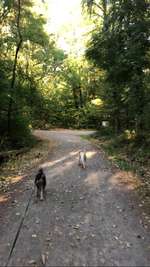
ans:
(20, 133)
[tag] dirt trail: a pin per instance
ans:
(89, 218)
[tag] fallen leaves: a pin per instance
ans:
(43, 259)
(76, 226)
(128, 245)
(103, 260)
(34, 235)
(92, 235)
(78, 238)
(17, 166)
(48, 239)
(37, 221)
(31, 262)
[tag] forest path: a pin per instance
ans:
(89, 218)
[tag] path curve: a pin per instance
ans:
(87, 219)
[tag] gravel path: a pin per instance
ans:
(87, 219)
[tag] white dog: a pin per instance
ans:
(82, 159)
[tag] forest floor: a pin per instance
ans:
(90, 217)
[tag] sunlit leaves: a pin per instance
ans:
(97, 102)
(33, 29)
(120, 47)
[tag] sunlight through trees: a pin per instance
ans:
(73, 64)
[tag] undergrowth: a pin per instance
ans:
(129, 154)
(24, 163)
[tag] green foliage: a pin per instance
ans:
(20, 135)
(120, 47)
(125, 151)
(42, 87)
(29, 57)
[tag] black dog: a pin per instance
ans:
(40, 182)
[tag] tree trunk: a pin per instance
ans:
(9, 114)
(81, 97)
(75, 99)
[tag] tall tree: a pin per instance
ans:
(18, 46)
(120, 46)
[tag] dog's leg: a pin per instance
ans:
(37, 192)
(42, 194)
(79, 161)
(83, 164)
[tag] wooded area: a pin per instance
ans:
(74, 133)
(42, 86)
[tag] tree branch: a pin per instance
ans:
(100, 7)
